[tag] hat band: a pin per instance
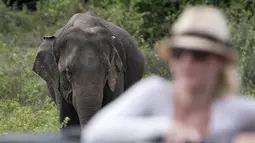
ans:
(206, 36)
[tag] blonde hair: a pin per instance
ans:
(228, 83)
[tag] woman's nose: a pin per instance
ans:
(187, 57)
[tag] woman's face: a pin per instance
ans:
(194, 69)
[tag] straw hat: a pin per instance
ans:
(200, 28)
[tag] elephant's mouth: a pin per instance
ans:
(68, 96)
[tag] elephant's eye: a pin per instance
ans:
(68, 73)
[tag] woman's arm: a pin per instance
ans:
(246, 133)
(123, 120)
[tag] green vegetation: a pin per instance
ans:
(24, 101)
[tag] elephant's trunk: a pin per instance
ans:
(87, 102)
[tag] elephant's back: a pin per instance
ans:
(127, 48)
(91, 19)
(129, 44)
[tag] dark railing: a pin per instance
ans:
(72, 135)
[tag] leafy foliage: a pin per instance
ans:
(19, 118)
(24, 101)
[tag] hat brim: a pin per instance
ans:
(196, 43)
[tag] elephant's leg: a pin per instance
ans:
(111, 95)
(67, 110)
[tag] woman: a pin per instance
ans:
(200, 101)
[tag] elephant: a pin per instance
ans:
(87, 64)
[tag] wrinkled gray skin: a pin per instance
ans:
(86, 65)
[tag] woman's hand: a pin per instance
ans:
(245, 138)
(180, 133)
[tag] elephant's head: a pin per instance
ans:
(77, 65)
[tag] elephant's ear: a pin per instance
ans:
(116, 66)
(45, 64)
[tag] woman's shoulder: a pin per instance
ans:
(242, 104)
(241, 108)
(241, 100)
(153, 82)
